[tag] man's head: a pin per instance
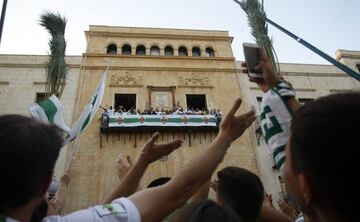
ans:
(321, 158)
(207, 211)
(241, 190)
(28, 152)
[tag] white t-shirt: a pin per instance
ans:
(122, 210)
(111, 111)
(276, 120)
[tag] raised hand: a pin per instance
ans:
(123, 166)
(268, 201)
(269, 79)
(151, 152)
(57, 202)
(288, 209)
(214, 185)
(233, 126)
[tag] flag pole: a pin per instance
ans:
(2, 18)
(333, 61)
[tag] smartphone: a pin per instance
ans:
(252, 59)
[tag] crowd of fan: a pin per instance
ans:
(319, 170)
(177, 110)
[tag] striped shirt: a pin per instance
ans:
(276, 120)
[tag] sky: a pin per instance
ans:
(327, 24)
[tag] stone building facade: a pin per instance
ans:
(159, 68)
(156, 68)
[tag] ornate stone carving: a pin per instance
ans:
(162, 100)
(127, 79)
(194, 80)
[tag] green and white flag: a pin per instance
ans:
(49, 111)
(89, 112)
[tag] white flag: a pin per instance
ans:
(89, 111)
(49, 111)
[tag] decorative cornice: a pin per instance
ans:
(307, 74)
(89, 55)
(13, 65)
(161, 88)
(126, 86)
(296, 89)
(340, 90)
(345, 55)
(160, 36)
(130, 68)
(209, 87)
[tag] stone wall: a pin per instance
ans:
(22, 76)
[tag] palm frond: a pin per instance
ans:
(56, 66)
(259, 30)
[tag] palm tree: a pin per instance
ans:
(56, 66)
(259, 30)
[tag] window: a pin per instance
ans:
(196, 102)
(358, 67)
(169, 51)
(183, 51)
(209, 52)
(127, 101)
(154, 50)
(196, 51)
(111, 49)
(40, 97)
(140, 50)
(126, 49)
(303, 101)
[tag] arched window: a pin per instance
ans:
(154, 50)
(126, 49)
(111, 49)
(209, 52)
(183, 51)
(140, 50)
(196, 51)
(169, 51)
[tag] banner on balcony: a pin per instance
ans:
(161, 121)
